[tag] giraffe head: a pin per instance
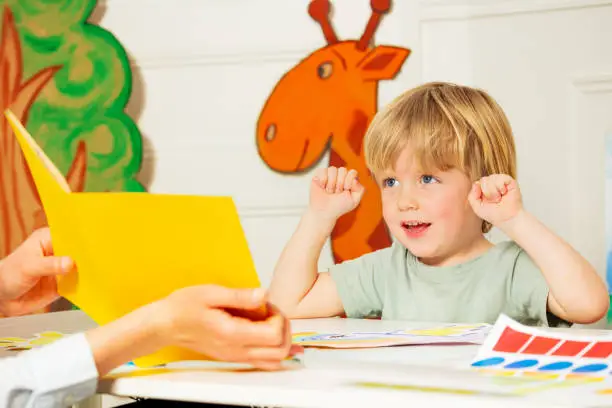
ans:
(316, 101)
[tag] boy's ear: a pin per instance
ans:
(383, 62)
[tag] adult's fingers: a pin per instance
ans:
(275, 363)
(42, 239)
(267, 353)
(41, 296)
(33, 304)
(47, 266)
(280, 352)
(222, 297)
(261, 312)
(247, 333)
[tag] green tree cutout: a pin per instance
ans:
(69, 81)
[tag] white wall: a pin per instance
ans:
(204, 68)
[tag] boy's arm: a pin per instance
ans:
(297, 288)
(577, 293)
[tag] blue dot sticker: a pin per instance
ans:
(590, 368)
(561, 365)
(522, 364)
(487, 362)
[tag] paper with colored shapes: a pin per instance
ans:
(521, 387)
(21, 344)
(452, 333)
(541, 389)
(134, 248)
(402, 376)
(513, 346)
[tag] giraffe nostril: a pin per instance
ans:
(271, 132)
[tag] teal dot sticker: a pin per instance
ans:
(590, 368)
(561, 365)
(522, 364)
(487, 362)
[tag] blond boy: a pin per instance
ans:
(444, 158)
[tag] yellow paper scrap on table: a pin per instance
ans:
(134, 248)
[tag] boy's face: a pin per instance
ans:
(429, 213)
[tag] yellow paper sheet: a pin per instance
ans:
(134, 248)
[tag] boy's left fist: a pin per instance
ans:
(496, 198)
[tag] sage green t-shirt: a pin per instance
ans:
(393, 284)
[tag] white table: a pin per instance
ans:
(328, 378)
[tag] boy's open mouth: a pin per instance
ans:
(415, 227)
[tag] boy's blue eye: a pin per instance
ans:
(389, 182)
(428, 179)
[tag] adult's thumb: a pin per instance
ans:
(49, 266)
(220, 296)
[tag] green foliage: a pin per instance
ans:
(86, 98)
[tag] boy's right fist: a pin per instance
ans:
(335, 192)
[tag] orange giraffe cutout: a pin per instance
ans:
(328, 100)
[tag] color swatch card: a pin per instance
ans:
(537, 388)
(134, 248)
(513, 346)
(452, 333)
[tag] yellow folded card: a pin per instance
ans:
(134, 248)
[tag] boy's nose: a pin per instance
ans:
(407, 201)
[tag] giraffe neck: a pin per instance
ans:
(365, 226)
(354, 139)
(351, 129)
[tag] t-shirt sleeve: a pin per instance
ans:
(529, 293)
(360, 283)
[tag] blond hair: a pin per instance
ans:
(448, 126)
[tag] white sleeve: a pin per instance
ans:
(57, 375)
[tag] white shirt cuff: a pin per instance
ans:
(63, 370)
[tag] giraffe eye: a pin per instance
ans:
(325, 70)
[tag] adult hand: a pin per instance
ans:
(27, 275)
(232, 325)
(235, 325)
